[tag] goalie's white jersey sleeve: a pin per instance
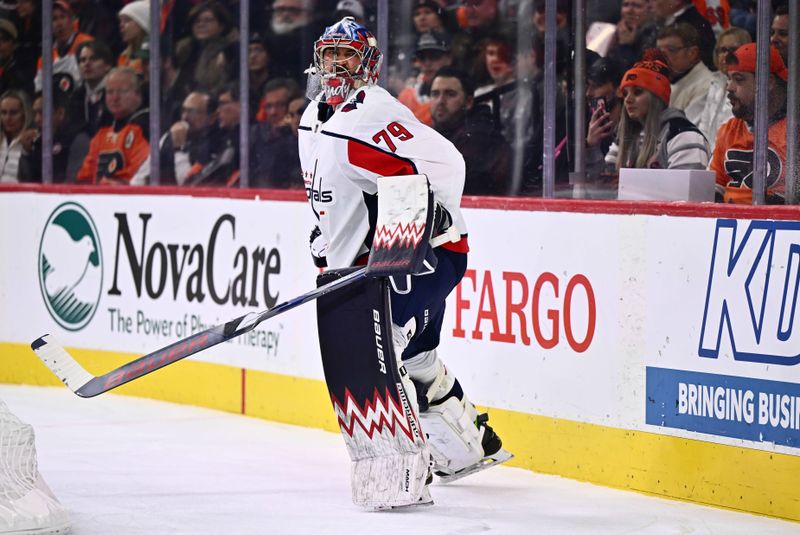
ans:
(369, 136)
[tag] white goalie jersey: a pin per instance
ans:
(371, 135)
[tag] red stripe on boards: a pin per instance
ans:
(377, 161)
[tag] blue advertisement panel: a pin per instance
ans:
(737, 407)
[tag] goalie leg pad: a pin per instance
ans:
(377, 413)
(379, 487)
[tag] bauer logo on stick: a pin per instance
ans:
(70, 265)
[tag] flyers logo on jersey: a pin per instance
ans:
(109, 163)
(739, 167)
(752, 295)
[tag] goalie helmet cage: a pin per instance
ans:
(27, 506)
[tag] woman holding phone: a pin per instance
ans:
(650, 133)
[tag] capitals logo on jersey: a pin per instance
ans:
(315, 191)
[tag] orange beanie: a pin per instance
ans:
(651, 73)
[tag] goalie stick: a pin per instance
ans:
(86, 385)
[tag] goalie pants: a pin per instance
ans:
(426, 301)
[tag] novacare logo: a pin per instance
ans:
(70, 266)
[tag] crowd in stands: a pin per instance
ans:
(669, 84)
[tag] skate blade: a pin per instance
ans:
(487, 462)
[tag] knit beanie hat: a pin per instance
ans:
(746, 56)
(651, 73)
(139, 11)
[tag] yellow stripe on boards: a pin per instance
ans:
(693, 470)
(704, 472)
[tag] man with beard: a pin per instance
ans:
(292, 30)
(473, 131)
(733, 155)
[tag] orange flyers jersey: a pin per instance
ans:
(117, 151)
(66, 73)
(717, 12)
(733, 160)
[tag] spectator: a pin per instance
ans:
(269, 137)
(650, 134)
(479, 19)
(258, 60)
(623, 39)
(70, 144)
(743, 15)
(563, 22)
(222, 166)
(733, 153)
(88, 102)
(689, 76)
(15, 117)
(473, 131)
(65, 63)
(718, 108)
(198, 58)
(134, 27)
(716, 12)
(672, 12)
(779, 32)
(118, 150)
(275, 100)
(293, 30)
(99, 18)
(433, 53)
(11, 75)
(428, 17)
(277, 161)
(189, 142)
(29, 37)
(498, 60)
(602, 86)
(350, 8)
(517, 102)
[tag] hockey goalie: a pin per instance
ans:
(385, 191)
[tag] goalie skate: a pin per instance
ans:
(490, 445)
(499, 457)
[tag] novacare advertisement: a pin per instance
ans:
(134, 273)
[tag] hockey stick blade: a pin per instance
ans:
(86, 385)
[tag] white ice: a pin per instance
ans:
(124, 465)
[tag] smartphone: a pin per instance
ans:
(597, 102)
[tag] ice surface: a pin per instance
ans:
(131, 466)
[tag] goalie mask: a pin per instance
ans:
(346, 57)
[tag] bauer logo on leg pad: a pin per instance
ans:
(403, 230)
